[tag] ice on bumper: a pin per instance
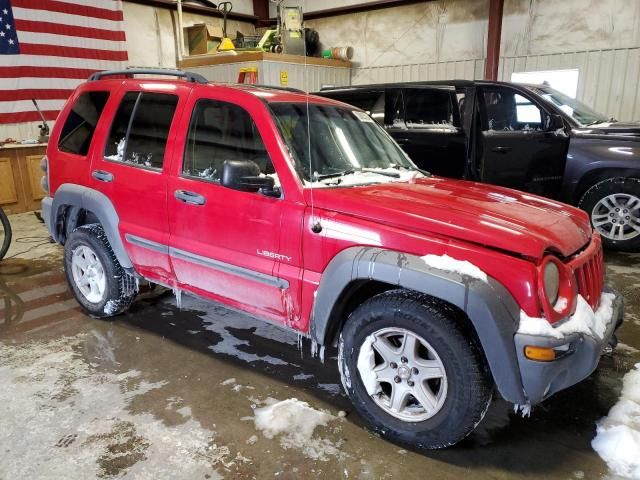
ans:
(584, 320)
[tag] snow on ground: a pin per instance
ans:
(52, 399)
(449, 264)
(584, 320)
(617, 439)
(295, 422)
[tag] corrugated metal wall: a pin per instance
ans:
(609, 79)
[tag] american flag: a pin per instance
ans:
(48, 47)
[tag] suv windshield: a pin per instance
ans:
(577, 110)
(345, 147)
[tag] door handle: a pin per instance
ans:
(102, 176)
(501, 149)
(401, 141)
(192, 198)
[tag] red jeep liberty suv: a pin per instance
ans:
(302, 211)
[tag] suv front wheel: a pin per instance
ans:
(411, 371)
(94, 274)
(614, 208)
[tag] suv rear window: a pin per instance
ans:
(140, 129)
(78, 129)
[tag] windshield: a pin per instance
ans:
(345, 146)
(577, 110)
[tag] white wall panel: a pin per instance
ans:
(608, 79)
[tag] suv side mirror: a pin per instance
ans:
(244, 175)
(553, 122)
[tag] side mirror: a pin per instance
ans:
(244, 175)
(553, 122)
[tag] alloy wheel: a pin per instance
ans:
(411, 382)
(617, 216)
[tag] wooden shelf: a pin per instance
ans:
(225, 58)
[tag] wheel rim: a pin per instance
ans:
(617, 216)
(411, 381)
(88, 274)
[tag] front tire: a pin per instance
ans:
(101, 286)
(411, 371)
(613, 206)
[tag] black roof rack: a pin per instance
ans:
(130, 72)
(273, 87)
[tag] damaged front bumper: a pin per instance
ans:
(578, 357)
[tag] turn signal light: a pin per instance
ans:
(540, 354)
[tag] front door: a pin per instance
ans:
(516, 149)
(224, 242)
(129, 171)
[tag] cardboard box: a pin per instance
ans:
(203, 38)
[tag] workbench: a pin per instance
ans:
(20, 176)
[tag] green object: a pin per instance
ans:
(327, 53)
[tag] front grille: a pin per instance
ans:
(588, 271)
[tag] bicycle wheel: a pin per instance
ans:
(5, 234)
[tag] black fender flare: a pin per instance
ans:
(96, 202)
(492, 311)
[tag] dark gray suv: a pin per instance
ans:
(528, 137)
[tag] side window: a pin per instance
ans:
(140, 129)
(506, 110)
(79, 126)
(222, 131)
(428, 108)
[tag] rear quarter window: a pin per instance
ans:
(81, 122)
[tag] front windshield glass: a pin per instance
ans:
(345, 147)
(577, 110)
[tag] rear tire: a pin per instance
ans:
(5, 240)
(442, 381)
(101, 286)
(613, 206)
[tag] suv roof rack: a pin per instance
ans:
(273, 87)
(189, 76)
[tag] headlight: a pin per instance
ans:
(551, 282)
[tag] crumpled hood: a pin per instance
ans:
(483, 214)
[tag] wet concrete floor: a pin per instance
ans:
(167, 393)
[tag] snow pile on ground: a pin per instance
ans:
(60, 414)
(294, 422)
(449, 264)
(584, 320)
(618, 434)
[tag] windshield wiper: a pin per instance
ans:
(317, 176)
(381, 172)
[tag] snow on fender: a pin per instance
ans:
(450, 264)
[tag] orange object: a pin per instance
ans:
(541, 354)
(248, 75)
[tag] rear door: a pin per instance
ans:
(224, 243)
(425, 121)
(515, 148)
(129, 171)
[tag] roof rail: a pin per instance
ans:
(273, 87)
(189, 76)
